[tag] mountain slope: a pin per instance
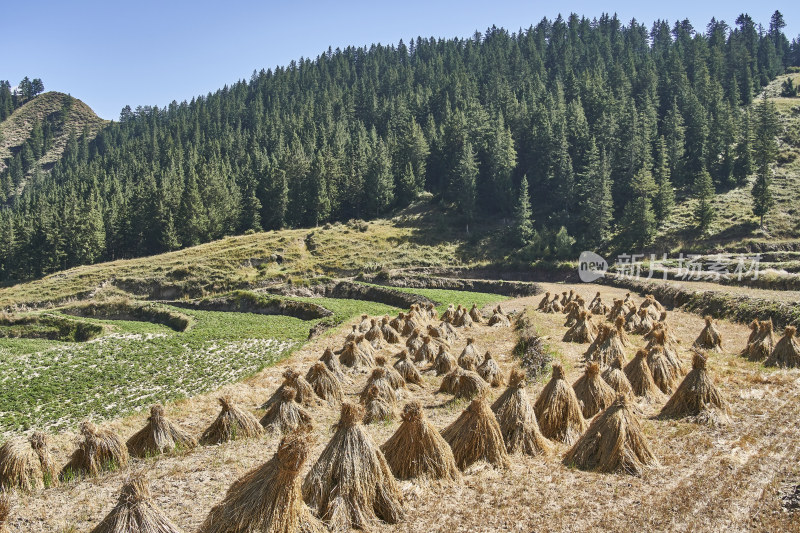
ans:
(58, 114)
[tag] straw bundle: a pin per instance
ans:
(304, 392)
(616, 378)
(232, 423)
(617, 310)
(591, 352)
(593, 393)
(469, 385)
(158, 436)
(325, 384)
(332, 363)
(632, 320)
(697, 397)
(379, 379)
(450, 314)
(583, 330)
(614, 442)
(444, 362)
(414, 342)
(395, 379)
(709, 338)
(5, 512)
(353, 335)
(269, 498)
(475, 314)
(611, 349)
(517, 419)
(641, 379)
(665, 375)
(470, 354)
(475, 435)
(374, 335)
(411, 325)
(558, 410)
(544, 302)
(763, 344)
(407, 369)
(26, 464)
(433, 314)
(100, 450)
(499, 320)
(355, 358)
(490, 371)
(351, 484)
(376, 407)
(285, 415)
(418, 450)
(426, 352)
(390, 335)
(365, 324)
(398, 322)
(450, 380)
(135, 511)
(787, 352)
(364, 345)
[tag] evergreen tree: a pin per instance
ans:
(379, 182)
(638, 219)
(597, 204)
(743, 164)
(523, 224)
(465, 174)
(764, 152)
(664, 199)
(703, 191)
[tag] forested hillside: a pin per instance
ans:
(605, 120)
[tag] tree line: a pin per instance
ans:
(587, 126)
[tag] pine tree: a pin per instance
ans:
(664, 199)
(379, 182)
(703, 191)
(743, 162)
(523, 224)
(465, 175)
(597, 204)
(765, 150)
(638, 219)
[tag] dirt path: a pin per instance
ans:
(711, 479)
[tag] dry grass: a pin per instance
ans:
(5, 511)
(135, 511)
(417, 450)
(476, 436)
(351, 484)
(269, 497)
(159, 435)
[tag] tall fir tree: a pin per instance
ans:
(703, 192)
(523, 224)
(765, 150)
(664, 199)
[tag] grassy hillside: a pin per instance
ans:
(735, 225)
(16, 129)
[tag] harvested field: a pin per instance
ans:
(733, 477)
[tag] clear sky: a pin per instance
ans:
(111, 53)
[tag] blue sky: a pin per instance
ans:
(113, 53)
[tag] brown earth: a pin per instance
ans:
(710, 479)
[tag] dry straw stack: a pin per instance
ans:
(475, 435)
(517, 419)
(395, 378)
(710, 338)
(232, 423)
(761, 342)
(490, 371)
(614, 442)
(417, 450)
(355, 358)
(100, 450)
(269, 497)
(593, 393)
(26, 464)
(379, 380)
(285, 415)
(414, 341)
(787, 351)
(641, 379)
(697, 397)
(325, 384)
(408, 370)
(304, 392)
(377, 407)
(374, 335)
(390, 335)
(558, 410)
(159, 436)
(351, 484)
(426, 352)
(469, 354)
(444, 362)
(332, 362)
(583, 331)
(465, 384)
(616, 378)
(475, 314)
(135, 511)
(665, 375)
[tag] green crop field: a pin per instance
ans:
(51, 385)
